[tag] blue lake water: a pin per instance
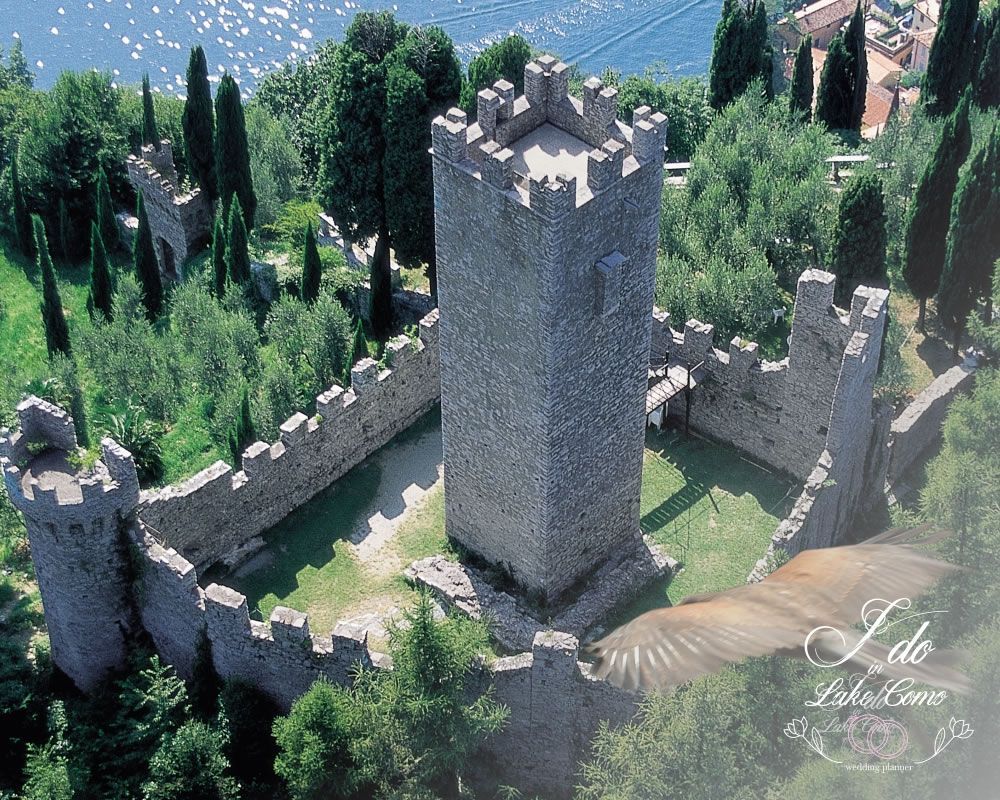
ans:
(250, 38)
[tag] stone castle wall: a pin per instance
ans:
(181, 220)
(218, 509)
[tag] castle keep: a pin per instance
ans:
(546, 219)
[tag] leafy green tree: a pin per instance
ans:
(232, 153)
(56, 329)
(147, 269)
(23, 234)
(199, 125)
(312, 267)
(949, 65)
(683, 100)
(106, 222)
(141, 437)
(220, 266)
(987, 66)
(973, 239)
(47, 772)
(243, 433)
(800, 97)
(237, 246)
(835, 101)
(150, 135)
(857, 255)
(16, 73)
(930, 210)
(274, 164)
(248, 715)
(504, 59)
(101, 290)
(191, 764)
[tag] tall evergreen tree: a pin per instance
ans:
(150, 135)
(949, 66)
(198, 121)
(100, 275)
(66, 237)
(232, 155)
(106, 222)
(220, 266)
(727, 54)
(835, 103)
(986, 66)
(504, 59)
(973, 238)
(56, 329)
(237, 246)
(147, 269)
(859, 238)
(359, 350)
(243, 433)
(930, 209)
(24, 236)
(312, 267)
(758, 51)
(854, 41)
(801, 92)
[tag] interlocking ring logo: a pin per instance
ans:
(872, 735)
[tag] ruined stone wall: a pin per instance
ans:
(181, 220)
(218, 509)
(777, 412)
(919, 426)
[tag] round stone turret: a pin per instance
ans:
(74, 516)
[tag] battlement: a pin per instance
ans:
(218, 509)
(547, 150)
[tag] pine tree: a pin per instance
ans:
(100, 298)
(949, 66)
(930, 209)
(147, 269)
(220, 265)
(23, 234)
(859, 238)
(243, 432)
(238, 248)
(854, 40)
(56, 329)
(973, 238)
(312, 267)
(801, 92)
(987, 65)
(835, 103)
(107, 224)
(198, 121)
(232, 155)
(149, 133)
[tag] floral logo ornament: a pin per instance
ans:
(796, 729)
(957, 729)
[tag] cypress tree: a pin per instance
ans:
(835, 102)
(56, 329)
(219, 264)
(359, 350)
(312, 267)
(759, 54)
(237, 250)
(243, 432)
(859, 239)
(927, 225)
(987, 65)
(65, 232)
(232, 155)
(854, 40)
(147, 269)
(727, 54)
(23, 234)
(801, 93)
(100, 275)
(949, 66)
(149, 133)
(973, 239)
(106, 221)
(198, 121)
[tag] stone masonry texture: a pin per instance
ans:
(545, 289)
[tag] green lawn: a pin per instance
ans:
(711, 510)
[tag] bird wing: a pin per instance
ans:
(668, 646)
(848, 577)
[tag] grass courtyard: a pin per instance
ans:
(340, 555)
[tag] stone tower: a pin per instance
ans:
(546, 220)
(74, 519)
